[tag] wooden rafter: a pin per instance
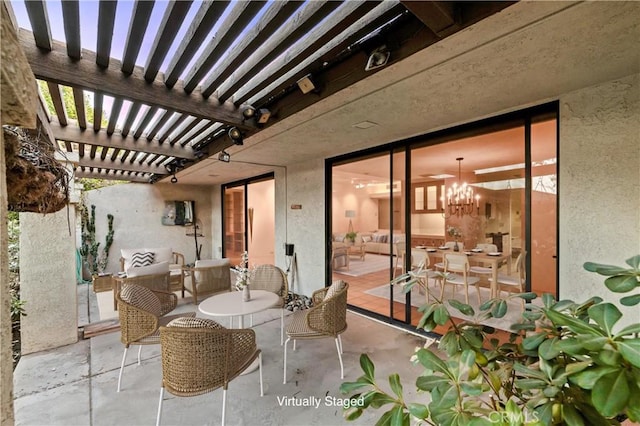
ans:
(202, 23)
(119, 165)
(178, 121)
(37, 11)
(58, 105)
(239, 17)
(273, 18)
(131, 117)
(56, 66)
(78, 99)
(312, 14)
(137, 28)
(148, 116)
(113, 115)
(160, 123)
(319, 37)
(97, 111)
(171, 21)
(101, 138)
(111, 175)
(71, 18)
(106, 22)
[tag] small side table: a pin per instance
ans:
(357, 250)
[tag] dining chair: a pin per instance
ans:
(273, 279)
(449, 245)
(401, 251)
(420, 263)
(199, 356)
(508, 283)
(327, 318)
(484, 271)
(209, 276)
(456, 270)
(142, 311)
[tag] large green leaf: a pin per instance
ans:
(499, 310)
(441, 315)
(621, 283)
(532, 342)
(591, 342)
(428, 383)
(573, 345)
(352, 413)
(348, 387)
(630, 329)
(630, 350)
(462, 307)
(549, 348)
(419, 411)
(634, 262)
(431, 361)
(630, 300)
(604, 269)
(367, 367)
(379, 399)
(633, 408)
(466, 361)
(396, 386)
(606, 315)
(571, 415)
(611, 393)
(574, 324)
(528, 384)
(399, 417)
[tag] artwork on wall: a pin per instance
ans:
(178, 213)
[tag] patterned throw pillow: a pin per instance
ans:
(336, 286)
(191, 322)
(142, 259)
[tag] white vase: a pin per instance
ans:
(246, 294)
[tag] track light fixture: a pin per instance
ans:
(224, 156)
(263, 116)
(248, 112)
(378, 58)
(236, 135)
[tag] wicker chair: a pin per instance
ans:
(273, 279)
(327, 318)
(207, 277)
(155, 282)
(142, 311)
(199, 356)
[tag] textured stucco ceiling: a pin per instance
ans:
(529, 53)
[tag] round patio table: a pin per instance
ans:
(231, 305)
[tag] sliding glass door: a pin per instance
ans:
(484, 193)
(249, 220)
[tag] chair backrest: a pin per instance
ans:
(520, 267)
(401, 248)
(153, 281)
(199, 355)
(419, 257)
(333, 310)
(269, 278)
(454, 262)
(487, 248)
(138, 311)
(451, 244)
(212, 275)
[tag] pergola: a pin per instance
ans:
(274, 58)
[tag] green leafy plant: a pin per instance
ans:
(95, 259)
(351, 236)
(565, 363)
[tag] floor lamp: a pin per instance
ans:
(350, 214)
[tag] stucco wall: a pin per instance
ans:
(137, 211)
(599, 184)
(48, 280)
(305, 227)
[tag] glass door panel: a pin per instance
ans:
(234, 220)
(261, 222)
(543, 207)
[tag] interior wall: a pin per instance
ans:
(348, 197)
(137, 211)
(599, 185)
(261, 239)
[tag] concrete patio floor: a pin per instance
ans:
(76, 384)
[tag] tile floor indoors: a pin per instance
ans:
(76, 384)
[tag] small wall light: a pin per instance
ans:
(263, 115)
(236, 135)
(378, 58)
(305, 84)
(224, 156)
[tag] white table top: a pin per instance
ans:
(231, 304)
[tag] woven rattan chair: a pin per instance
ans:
(207, 277)
(199, 356)
(142, 311)
(273, 279)
(327, 318)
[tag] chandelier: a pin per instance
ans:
(460, 198)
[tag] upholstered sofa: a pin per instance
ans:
(149, 261)
(375, 241)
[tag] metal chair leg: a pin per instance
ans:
(124, 357)
(224, 404)
(340, 358)
(139, 352)
(160, 406)
(260, 367)
(284, 380)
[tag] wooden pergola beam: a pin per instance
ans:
(108, 164)
(438, 16)
(56, 66)
(110, 175)
(101, 138)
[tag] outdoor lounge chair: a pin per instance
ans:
(273, 279)
(327, 318)
(142, 311)
(199, 356)
(207, 277)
